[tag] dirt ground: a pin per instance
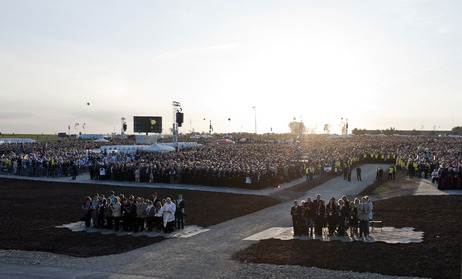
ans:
(32, 209)
(438, 256)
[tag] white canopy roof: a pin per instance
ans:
(158, 148)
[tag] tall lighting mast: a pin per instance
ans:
(176, 107)
(255, 108)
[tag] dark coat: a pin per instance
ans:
(308, 210)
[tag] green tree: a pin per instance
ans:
(295, 127)
(327, 128)
(357, 131)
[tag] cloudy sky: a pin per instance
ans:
(380, 64)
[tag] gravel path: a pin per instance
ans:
(207, 255)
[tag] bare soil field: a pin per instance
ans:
(32, 209)
(438, 256)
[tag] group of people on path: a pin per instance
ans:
(134, 214)
(338, 216)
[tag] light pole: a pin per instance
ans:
(255, 119)
(344, 124)
(176, 106)
(346, 127)
(124, 127)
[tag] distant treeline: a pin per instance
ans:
(392, 131)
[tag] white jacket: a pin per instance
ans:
(169, 212)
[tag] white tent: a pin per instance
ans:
(101, 140)
(157, 148)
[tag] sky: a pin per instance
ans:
(243, 66)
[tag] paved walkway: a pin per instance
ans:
(427, 188)
(205, 255)
(85, 178)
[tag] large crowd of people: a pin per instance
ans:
(255, 164)
(130, 214)
(340, 217)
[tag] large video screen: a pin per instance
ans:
(147, 124)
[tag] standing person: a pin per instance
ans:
(116, 213)
(363, 216)
(390, 173)
(155, 199)
(320, 211)
(379, 174)
(102, 173)
(346, 202)
(342, 212)
(331, 209)
(353, 218)
(131, 214)
(296, 213)
(108, 213)
(140, 214)
(179, 212)
(137, 174)
(370, 214)
(74, 170)
(86, 207)
(168, 210)
(94, 210)
(358, 173)
(158, 216)
(125, 210)
(150, 211)
(111, 196)
(308, 213)
(307, 174)
(172, 174)
(101, 213)
(317, 200)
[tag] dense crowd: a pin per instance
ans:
(256, 164)
(338, 216)
(132, 214)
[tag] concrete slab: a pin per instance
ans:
(284, 233)
(187, 232)
(387, 234)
